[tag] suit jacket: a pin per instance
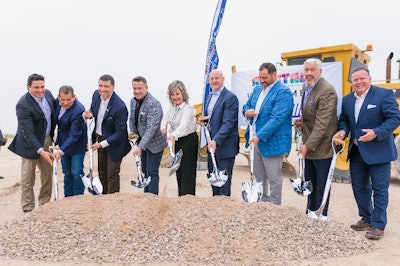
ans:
(319, 115)
(113, 126)
(32, 125)
(149, 124)
(379, 112)
(223, 124)
(72, 132)
(274, 120)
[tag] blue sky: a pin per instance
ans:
(74, 42)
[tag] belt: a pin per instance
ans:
(99, 137)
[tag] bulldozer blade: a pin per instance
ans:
(141, 182)
(218, 179)
(252, 191)
(176, 162)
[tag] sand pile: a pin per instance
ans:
(145, 229)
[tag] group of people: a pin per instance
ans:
(368, 118)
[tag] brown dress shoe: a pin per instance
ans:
(361, 226)
(374, 233)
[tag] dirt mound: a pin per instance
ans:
(141, 229)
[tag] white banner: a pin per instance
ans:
(243, 84)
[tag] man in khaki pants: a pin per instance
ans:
(36, 123)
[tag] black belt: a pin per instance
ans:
(99, 138)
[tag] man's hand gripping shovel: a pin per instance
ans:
(92, 184)
(142, 181)
(177, 157)
(252, 191)
(216, 178)
(299, 185)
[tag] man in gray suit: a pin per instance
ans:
(144, 123)
(319, 123)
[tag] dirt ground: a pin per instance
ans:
(342, 205)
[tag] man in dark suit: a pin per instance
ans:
(36, 123)
(222, 112)
(111, 132)
(72, 140)
(370, 115)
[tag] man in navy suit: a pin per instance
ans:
(112, 144)
(370, 114)
(72, 140)
(36, 123)
(222, 111)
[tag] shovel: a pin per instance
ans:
(252, 191)
(318, 212)
(217, 178)
(55, 172)
(299, 185)
(93, 184)
(177, 157)
(142, 181)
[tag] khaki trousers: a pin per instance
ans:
(28, 177)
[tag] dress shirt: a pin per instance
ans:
(214, 98)
(262, 96)
(45, 106)
(100, 116)
(182, 119)
(359, 102)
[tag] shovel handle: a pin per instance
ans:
(54, 148)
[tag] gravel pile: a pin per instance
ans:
(127, 229)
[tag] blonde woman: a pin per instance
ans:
(182, 119)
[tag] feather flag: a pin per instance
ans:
(212, 59)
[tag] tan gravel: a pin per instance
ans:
(139, 229)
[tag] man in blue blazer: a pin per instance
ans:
(222, 109)
(370, 115)
(270, 107)
(72, 140)
(112, 144)
(36, 123)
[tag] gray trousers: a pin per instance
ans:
(268, 171)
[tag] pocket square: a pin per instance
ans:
(370, 106)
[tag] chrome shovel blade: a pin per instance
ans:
(307, 188)
(176, 162)
(92, 184)
(141, 182)
(218, 179)
(252, 191)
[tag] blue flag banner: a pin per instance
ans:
(212, 59)
(212, 55)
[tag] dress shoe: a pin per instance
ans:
(374, 233)
(361, 226)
